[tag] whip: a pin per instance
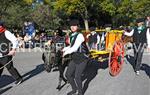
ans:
(7, 62)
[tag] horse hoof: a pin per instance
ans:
(66, 82)
(58, 87)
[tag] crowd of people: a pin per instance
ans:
(76, 46)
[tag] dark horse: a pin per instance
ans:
(53, 58)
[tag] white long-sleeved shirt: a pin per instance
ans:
(12, 39)
(98, 39)
(147, 35)
(76, 45)
(147, 23)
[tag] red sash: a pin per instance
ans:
(2, 29)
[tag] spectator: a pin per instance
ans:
(94, 39)
(148, 21)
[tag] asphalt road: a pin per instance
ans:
(98, 81)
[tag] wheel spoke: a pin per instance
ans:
(116, 60)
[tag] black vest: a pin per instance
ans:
(83, 48)
(81, 54)
(93, 38)
(139, 38)
(4, 44)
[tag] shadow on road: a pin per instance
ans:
(91, 72)
(130, 59)
(5, 80)
(144, 66)
(34, 72)
(5, 89)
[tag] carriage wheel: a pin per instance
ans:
(116, 58)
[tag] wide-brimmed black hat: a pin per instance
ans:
(74, 22)
(140, 20)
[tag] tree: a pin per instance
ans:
(48, 14)
(44, 16)
(108, 6)
(4, 5)
(141, 8)
(29, 2)
(77, 6)
(14, 12)
(124, 11)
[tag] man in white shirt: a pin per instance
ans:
(148, 29)
(141, 36)
(78, 50)
(94, 39)
(148, 21)
(6, 51)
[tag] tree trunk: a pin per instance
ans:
(85, 18)
(86, 25)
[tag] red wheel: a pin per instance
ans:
(116, 58)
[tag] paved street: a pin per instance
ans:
(98, 82)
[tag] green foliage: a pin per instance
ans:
(44, 16)
(108, 6)
(126, 10)
(29, 2)
(14, 13)
(48, 2)
(76, 6)
(141, 8)
(48, 14)
(83, 7)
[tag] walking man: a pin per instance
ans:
(140, 38)
(94, 39)
(78, 50)
(6, 52)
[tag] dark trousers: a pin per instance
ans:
(12, 70)
(138, 54)
(1, 70)
(74, 73)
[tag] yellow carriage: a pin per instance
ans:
(114, 51)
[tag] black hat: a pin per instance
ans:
(74, 22)
(92, 28)
(1, 23)
(140, 20)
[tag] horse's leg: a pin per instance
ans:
(61, 76)
(61, 69)
(45, 59)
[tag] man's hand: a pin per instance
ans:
(12, 52)
(64, 54)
